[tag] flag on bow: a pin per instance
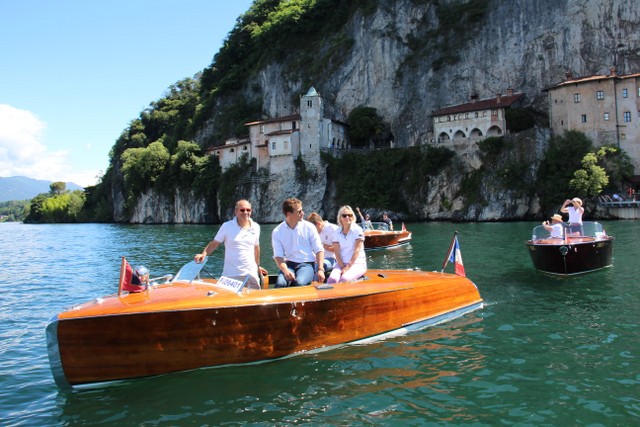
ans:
(455, 257)
(128, 281)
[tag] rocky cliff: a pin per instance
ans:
(406, 62)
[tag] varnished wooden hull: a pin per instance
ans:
(571, 256)
(179, 326)
(381, 239)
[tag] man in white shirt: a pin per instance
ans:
(297, 248)
(241, 238)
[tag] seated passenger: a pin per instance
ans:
(348, 241)
(326, 231)
(297, 248)
(556, 228)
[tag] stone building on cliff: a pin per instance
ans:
(275, 143)
(606, 108)
(475, 120)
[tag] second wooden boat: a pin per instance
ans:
(583, 252)
(380, 237)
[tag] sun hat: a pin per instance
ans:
(557, 217)
(577, 200)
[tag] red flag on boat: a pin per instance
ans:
(128, 281)
(455, 257)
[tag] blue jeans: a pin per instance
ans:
(303, 271)
(329, 263)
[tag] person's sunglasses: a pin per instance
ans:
(244, 210)
(347, 215)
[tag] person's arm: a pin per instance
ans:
(212, 246)
(256, 252)
(282, 265)
(564, 206)
(320, 264)
(339, 260)
(359, 247)
(359, 214)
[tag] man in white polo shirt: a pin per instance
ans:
(241, 238)
(297, 248)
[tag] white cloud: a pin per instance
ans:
(22, 152)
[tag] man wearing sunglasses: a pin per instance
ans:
(297, 248)
(241, 238)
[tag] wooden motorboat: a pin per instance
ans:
(191, 322)
(589, 250)
(380, 237)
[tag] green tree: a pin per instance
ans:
(143, 166)
(185, 164)
(208, 180)
(592, 178)
(65, 207)
(562, 158)
(365, 125)
(619, 167)
(13, 210)
(57, 187)
(36, 209)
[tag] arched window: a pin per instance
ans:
(459, 135)
(475, 133)
(443, 137)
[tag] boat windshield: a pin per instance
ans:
(588, 229)
(382, 226)
(190, 271)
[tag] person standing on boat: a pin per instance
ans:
(326, 231)
(348, 242)
(575, 210)
(297, 248)
(556, 227)
(387, 220)
(366, 220)
(241, 238)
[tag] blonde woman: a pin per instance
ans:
(348, 244)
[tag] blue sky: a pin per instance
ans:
(75, 73)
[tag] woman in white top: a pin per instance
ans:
(348, 242)
(575, 212)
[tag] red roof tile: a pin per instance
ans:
(484, 104)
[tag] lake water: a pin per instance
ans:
(543, 350)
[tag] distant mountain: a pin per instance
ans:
(23, 188)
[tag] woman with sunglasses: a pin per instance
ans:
(241, 238)
(348, 243)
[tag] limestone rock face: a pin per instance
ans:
(153, 208)
(521, 44)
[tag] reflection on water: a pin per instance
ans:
(544, 350)
(400, 257)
